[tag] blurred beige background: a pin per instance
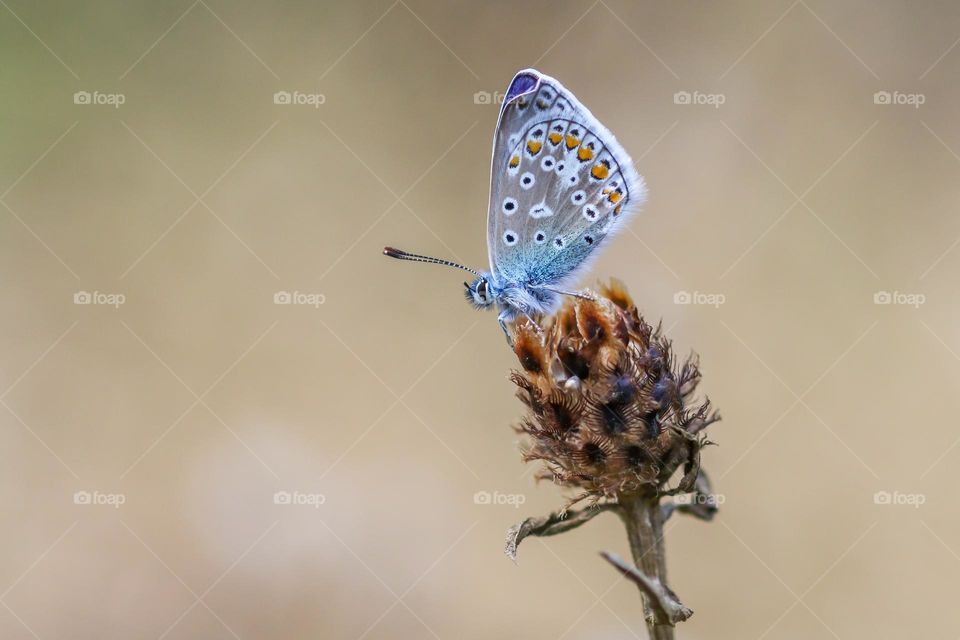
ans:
(784, 190)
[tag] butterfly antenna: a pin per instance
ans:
(403, 255)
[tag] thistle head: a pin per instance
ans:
(610, 413)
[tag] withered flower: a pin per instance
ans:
(612, 417)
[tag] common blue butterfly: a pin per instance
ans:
(560, 185)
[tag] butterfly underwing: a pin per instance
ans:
(560, 187)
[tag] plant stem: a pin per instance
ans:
(644, 522)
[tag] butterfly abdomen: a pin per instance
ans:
(519, 300)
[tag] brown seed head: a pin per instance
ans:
(609, 412)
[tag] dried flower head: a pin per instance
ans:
(610, 413)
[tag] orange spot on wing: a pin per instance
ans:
(584, 154)
(572, 142)
(615, 196)
(514, 162)
(600, 171)
(534, 147)
(555, 138)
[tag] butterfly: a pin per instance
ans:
(560, 187)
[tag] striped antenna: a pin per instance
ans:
(403, 255)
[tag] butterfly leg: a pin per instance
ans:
(534, 323)
(572, 294)
(502, 319)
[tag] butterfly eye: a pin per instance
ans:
(588, 239)
(558, 242)
(509, 238)
(590, 213)
(540, 237)
(578, 196)
(509, 206)
(527, 180)
(547, 163)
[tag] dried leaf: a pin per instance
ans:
(551, 525)
(666, 607)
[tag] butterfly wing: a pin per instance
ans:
(560, 185)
